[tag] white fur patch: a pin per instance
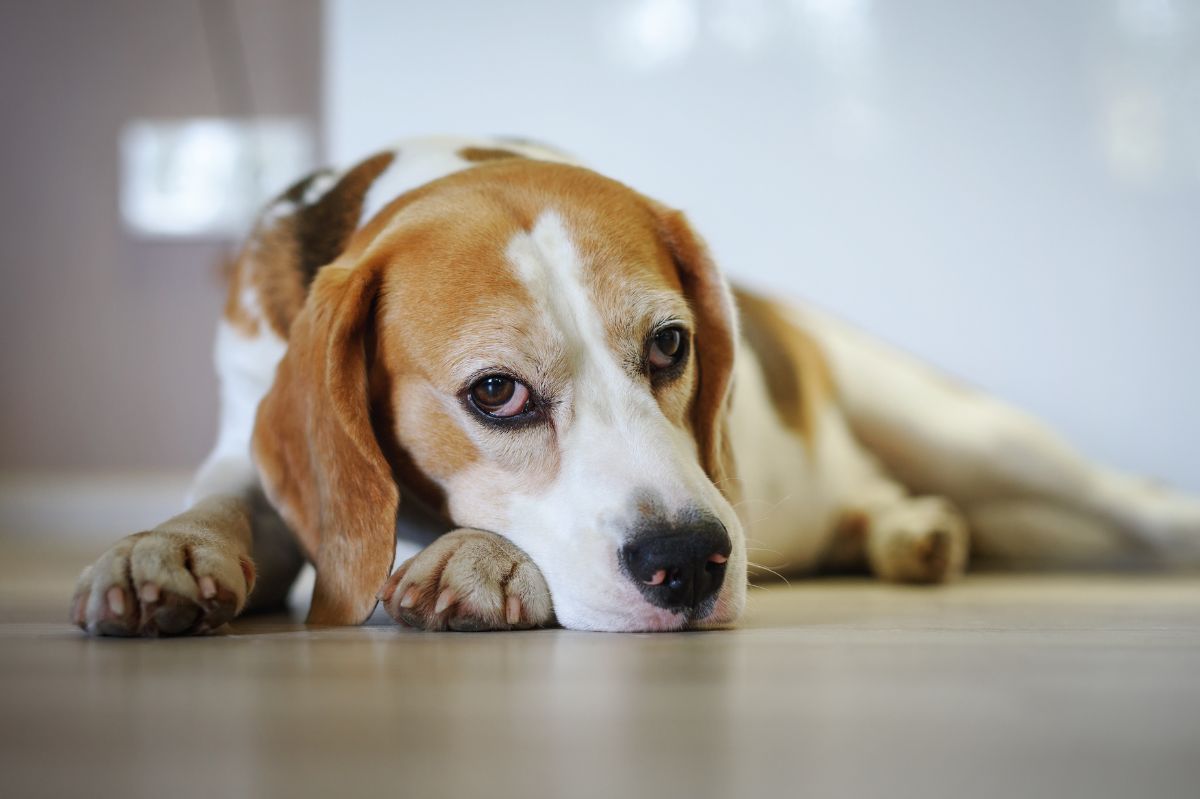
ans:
(245, 368)
(422, 160)
(321, 183)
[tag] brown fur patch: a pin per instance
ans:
(846, 550)
(480, 154)
(323, 227)
(798, 377)
(285, 251)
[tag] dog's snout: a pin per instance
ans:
(678, 567)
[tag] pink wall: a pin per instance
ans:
(106, 356)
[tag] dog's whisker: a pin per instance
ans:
(773, 506)
(769, 570)
(756, 545)
(764, 549)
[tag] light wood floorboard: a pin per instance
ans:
(1000, 686)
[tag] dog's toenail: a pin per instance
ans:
(148, 592)
(79, 611)
(208, 588)
(116, 600)
(445, 600)
(409, 599)
(512, 610)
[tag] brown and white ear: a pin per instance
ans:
(715, 341)
(316, 449)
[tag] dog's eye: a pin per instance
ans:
(668, 348)
(501, 396)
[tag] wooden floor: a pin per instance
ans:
(1001, 686)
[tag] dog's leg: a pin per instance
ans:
(276, 553)
(468, 580)
(274, 549)
(196, 571)
(898, 536)
(1027, 494)
(917, 540)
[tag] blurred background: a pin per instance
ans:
(1009, 190)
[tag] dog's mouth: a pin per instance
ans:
(711, 614)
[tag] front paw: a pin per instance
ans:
(469, 580)
(161, 583)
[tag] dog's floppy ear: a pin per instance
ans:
(317, 452)
(715, 341)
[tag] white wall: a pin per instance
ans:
(1009, 189)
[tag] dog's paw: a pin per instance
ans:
(161, 583)
(469, 580)
(921, 540)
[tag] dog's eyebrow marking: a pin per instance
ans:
(548, 263)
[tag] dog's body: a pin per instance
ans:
(551, 362)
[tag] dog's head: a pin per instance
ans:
(545, 354)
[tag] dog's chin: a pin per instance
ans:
(720, 611)
(724, 611)
(641, 617)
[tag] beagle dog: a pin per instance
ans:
(549, 365)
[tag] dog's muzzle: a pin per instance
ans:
(678, 566)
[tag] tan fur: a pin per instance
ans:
(480, 154)
(846, 549)
(796, 371)
(433, 436)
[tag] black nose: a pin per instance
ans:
(678, 566)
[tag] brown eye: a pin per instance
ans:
(667, 348)
(500, 396)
